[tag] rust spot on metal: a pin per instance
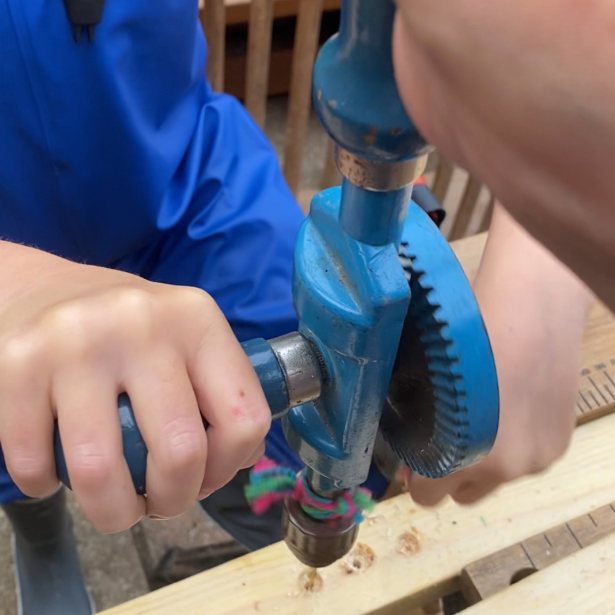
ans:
(396, 131)
(370, 137)
(333, 104)
(358, 560)
(408, 544)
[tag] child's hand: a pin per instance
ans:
(535, 311)
(72, 337)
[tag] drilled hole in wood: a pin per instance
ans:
(310, 581)
(522, 574)
(359, 559)
(408, 544)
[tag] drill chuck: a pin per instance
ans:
(316, 543)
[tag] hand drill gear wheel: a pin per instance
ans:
(442, 405)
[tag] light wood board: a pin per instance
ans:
(582, 584)
(494, 573)
(416, 554)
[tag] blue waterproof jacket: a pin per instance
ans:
(117, 153)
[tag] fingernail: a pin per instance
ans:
(157, 518)
(205, 493)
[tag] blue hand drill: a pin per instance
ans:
(390, 340)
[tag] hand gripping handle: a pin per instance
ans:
(289, 373)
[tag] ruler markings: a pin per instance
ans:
(594, 398)
(585, 400)
(597, 389)
(527, 555)
(574, 535)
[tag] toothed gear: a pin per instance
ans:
(442, 410)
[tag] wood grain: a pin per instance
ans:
(300, 100)
(238, 11)
(213, 21)
(581, 584)
(466, 208)
(259, 49)
(495, 573)
(442, 181)
(417, 554)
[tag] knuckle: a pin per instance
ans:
(90, 466)
(68, 329)
(251, 422)
(19, 353)
(133, 311)
(182, 446)
(190, 297)
(133, 301)
(29, 471)
(67, 319)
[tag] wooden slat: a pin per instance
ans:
(581, 584)
(331, 176)
(238, 11)
(466, 209)
(259, 49)
(214, 25)
(299, 104)
(486, 221)
(407, 556)
(442, 181)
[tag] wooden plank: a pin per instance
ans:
(466, 209)
(494, 573)
(442, 181)
(407, 556)
(280, 67)
(330, 176)
(214, 25)
(300, 101)
(259, 49)
(581, 584)
(485, 223)
(238, 11)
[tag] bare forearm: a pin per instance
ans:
(535, 310)
(520, 94)
(539, 291)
